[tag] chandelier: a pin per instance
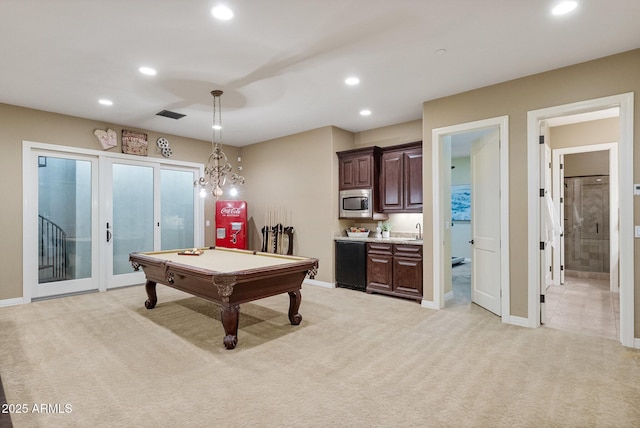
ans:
(216, 173)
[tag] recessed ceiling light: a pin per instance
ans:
(222, 12)
(105, 102)
(216, 127)
(365, 112)
(352, 81)
(147, 70)
(564, 7)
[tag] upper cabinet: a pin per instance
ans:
(358, 168)
(401, 178)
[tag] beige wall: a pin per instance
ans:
(297, 173)
(401, 133)
(603, 77)
(18, 124)
(588, 163)
(585, 133)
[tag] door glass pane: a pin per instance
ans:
(132, 214)
(64, 219)
(176, 209)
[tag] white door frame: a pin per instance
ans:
(626, 230)
(558, 188)
(440, 197)
(30, 206)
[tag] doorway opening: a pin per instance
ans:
(486, 194)
(582, 287)
(458, 291)
(622, 254)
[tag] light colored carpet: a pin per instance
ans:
(356, 360)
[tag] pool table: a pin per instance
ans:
(226, 276)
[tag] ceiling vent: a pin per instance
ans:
(170, 114)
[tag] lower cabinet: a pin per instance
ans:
(395, 269)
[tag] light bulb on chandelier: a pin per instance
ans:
(218, 167)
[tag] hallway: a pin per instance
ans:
(584, 306)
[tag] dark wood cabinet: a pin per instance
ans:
(358, 168)
(401, 179)
(379, 267)
(407, 271)
(395, 270)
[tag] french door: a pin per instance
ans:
(85, 211)
(148, 207)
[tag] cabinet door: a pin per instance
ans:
(356, 172)
(413, 180)
(379, 272)
(379, 267)
(407, 276)
(391, 182)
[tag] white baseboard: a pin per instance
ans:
(12, 302)
(429, 304)
(636, 343)
(519, 321)
(319, 283)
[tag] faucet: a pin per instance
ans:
(419, 227)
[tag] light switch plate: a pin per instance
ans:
(636, 189)
(637, 232)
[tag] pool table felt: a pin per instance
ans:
(226, 259)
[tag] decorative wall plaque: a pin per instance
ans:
(107, 139)
(134, 143)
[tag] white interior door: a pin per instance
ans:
(560, 197)
(548, 256)
(485, 222)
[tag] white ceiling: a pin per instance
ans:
(282, 63)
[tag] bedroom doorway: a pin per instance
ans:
(487, 172)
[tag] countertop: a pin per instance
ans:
(405, 240)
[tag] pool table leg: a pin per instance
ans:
(230, 318)
(295, 297)
(150, 286)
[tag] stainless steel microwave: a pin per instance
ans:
(356, 203)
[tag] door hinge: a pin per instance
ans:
(562, 200)
(561, 166)
(542, 298)
(542, 139)
(561, 267)
(542, 193)
(542, 244)
(550, 269)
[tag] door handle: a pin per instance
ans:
(471, 242)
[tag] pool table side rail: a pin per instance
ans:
(247, 285)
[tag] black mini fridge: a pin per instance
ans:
(351, 265)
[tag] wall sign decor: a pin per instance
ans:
(107, 139)
(163, 147)
(134, 143)
(461, 202)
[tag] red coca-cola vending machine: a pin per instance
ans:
(231, 224)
